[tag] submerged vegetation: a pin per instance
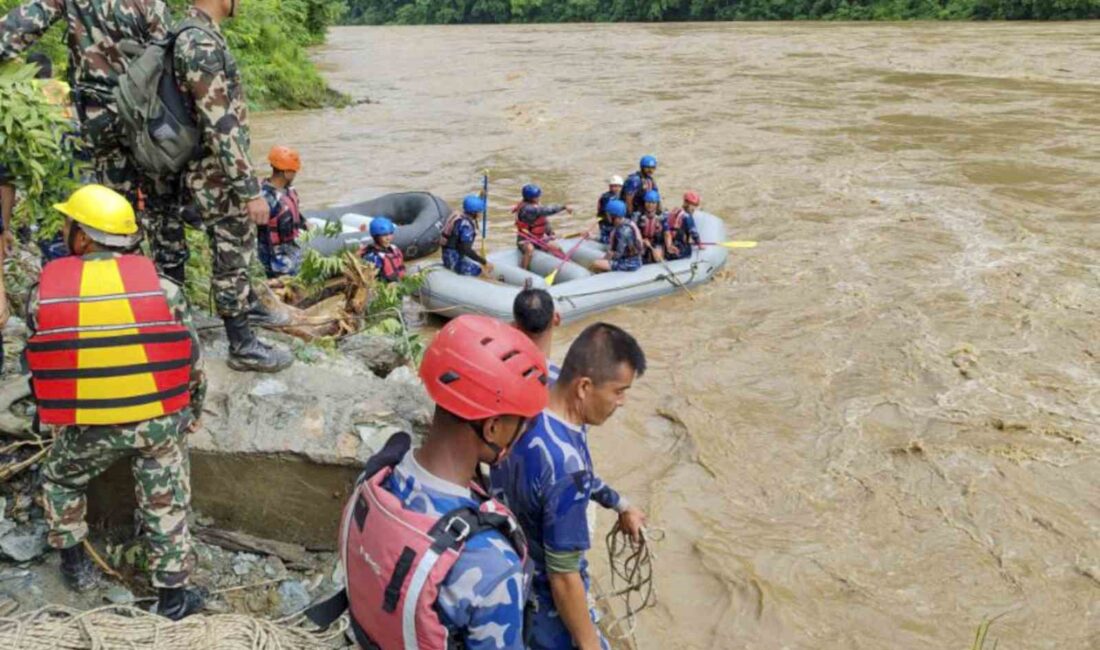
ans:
(544, 11)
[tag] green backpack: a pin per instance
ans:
(154, 116)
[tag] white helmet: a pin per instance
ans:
(615, 180)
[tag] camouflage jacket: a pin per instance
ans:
(209, 75)
(177, 302)
(94, 30)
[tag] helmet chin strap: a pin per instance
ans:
(501, 452)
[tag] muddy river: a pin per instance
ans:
(882, 425)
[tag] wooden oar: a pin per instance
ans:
(730, 244)
(568, 256)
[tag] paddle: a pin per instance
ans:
(541, 244)
(568, 256)
(730, 244)
(485, 212)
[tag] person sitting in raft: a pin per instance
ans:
(625, 248)
(386, 258)
(651, 223)
(680, 230)
(533, 224)
(614, 190)
(277, 241)
(640, 182)
(457, 239)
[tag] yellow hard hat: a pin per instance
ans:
(103, 214)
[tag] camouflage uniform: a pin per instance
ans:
(157, 449)
(93, 34)
(221, 182)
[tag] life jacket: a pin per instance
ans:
(395, 559)
(449, 235)
(652, 229)
(287, 214)
(393, 261)
(676, 226)
(633, 250)
(538, 227)
(107, 348)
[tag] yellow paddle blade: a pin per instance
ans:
(550, 278)
(738, 244)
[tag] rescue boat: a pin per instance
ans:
(577, 292)
(418, 215)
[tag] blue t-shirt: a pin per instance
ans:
(483, 596)
(547, 482)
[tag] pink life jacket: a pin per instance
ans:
(287, 212)
(652, 229)
(675, 219)
(633, 251)
(396, 559)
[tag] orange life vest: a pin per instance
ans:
(538, 227)
(107, 348)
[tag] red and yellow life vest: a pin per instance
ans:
(107, 348)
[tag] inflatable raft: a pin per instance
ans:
(419, 218)
(577, 292)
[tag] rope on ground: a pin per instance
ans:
(61, 628)
(631, 579)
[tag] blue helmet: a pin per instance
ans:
(648, 161)
(531, 192)
(473, 204)
(652, 196)
(380, 226)
(616, 208)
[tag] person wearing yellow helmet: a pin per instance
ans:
(277, 240)
(116, 372)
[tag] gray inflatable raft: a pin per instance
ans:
(418, 216)
(577, 292)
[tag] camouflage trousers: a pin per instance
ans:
(158, 454)
(158, 213)
(232, 237)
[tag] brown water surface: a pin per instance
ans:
(883, 424)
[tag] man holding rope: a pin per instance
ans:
(549, 480)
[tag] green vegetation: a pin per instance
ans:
(35, 151)
(269, 39)
(545, 11)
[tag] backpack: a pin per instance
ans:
(154, 116)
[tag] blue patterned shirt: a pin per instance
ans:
(483, 596)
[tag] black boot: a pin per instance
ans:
(178, 603)
(78, 570)
(176, 274)
(262, 316)
(248, 353)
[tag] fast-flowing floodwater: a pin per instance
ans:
(882, 425)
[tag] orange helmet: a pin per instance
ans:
(284, 159)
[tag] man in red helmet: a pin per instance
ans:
(430, 560)
(680, 230)
(550, 479)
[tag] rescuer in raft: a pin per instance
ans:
(278, 239)
(640, 182)
(624, 251)
(549, 479)
(380, 251)
(533, 224)
(614, 191)
(458, 236)
(116, 373)
(651, 225)
(680, 230)
(431, 561)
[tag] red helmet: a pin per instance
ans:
(477, 367)
(692, 198)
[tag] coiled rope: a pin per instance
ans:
(122, 627)
(632, 586)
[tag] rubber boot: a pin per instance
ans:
(78, 570)
(260, 315)
(248, 353)
(177, 274)
(178, 603)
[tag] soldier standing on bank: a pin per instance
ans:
(221, 184)
(96, 33)
(117, 373)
